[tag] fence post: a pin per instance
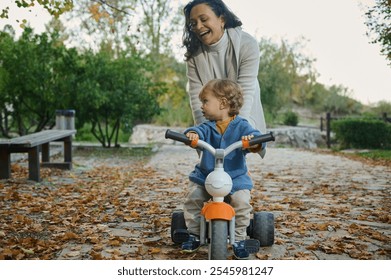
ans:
(328, 128)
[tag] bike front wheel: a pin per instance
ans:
(218, 236)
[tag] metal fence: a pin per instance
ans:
(325, 124)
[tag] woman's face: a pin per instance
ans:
(206, 25)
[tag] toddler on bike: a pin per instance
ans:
(221, 101)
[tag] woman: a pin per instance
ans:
(216, 47)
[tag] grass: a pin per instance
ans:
(376, 154)
(374, 157)
(122, 152)
(84, 135)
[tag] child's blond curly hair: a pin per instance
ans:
(230, 90)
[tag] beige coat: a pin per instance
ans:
(241, 65)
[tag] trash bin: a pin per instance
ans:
(65, 119)
(69, 119)
(60, 120)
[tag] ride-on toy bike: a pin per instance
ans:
(217, 228)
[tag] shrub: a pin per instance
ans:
(291, 118)
(362, 133)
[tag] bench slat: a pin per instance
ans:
(35, 139)
(32, 144)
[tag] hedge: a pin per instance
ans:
(362, 133)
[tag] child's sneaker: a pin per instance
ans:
(191, 245)
(242, 249)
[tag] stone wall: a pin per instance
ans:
(297, 137)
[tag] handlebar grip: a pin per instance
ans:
(262, 139)
(177, 136)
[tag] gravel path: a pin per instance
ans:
(119, 207)
(325, 206)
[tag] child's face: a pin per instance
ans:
(211, 106)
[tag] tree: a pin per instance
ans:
(285, 75)
(142, 26)
(382, 107)
(31, 96)
(54, 7)
(6, 50)
(114, 93)
(96, 26)
(339, 103)
(379, 24)
(157, 25)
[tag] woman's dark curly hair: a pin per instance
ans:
(189, 39)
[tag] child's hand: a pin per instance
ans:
(255, 148)
(192, 135)
(247, 137)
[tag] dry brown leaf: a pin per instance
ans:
(154, 250)
(70, 236)
(262, 256)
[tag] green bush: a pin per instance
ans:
(84, 134)
(291, 118)
(362, 133)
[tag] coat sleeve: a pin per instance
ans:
(194, 88)
(201, 130)
(248, 72)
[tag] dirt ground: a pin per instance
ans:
(325, 207)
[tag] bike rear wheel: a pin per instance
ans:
(179, 232)
(263, 228)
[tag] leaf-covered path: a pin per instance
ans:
(325, 206)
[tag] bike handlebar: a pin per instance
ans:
(177, 136)
(261, 139)
(245, 144)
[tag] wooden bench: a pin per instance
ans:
(33, 144)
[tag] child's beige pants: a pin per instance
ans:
(240, 201)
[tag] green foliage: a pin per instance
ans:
(116, 92)
(175, 115)
(129, 74)
(107, 92)
(362, 133)
(287, 79)
(284, 74)
(339, 103)
(84, 134)
(175, 106)
(379, 22)
(376, 154)
(55, 8)
(381, 107)
(274, 76)
(291, 118)
(32, 70)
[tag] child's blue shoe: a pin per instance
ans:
(242, 249)
(191, 245)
